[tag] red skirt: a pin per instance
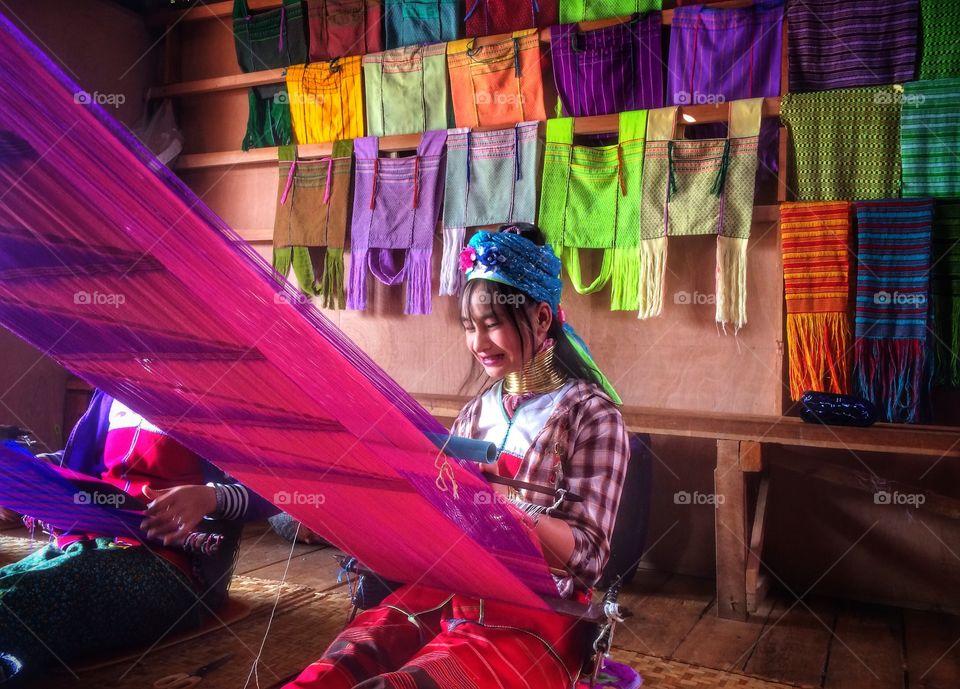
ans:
(423, 638)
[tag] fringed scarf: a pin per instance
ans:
(414, 22)
(939, 48)
(339, 28)
(491, 178)
(893, 254)
(326, 100)
(405, 90)
(840, 44)
(497, 84)
(312, 207)
(396, 206)
(590, 199)
(695, 187)
(572, 11)
(930, 138)
(945, 292)
(613, 69)
(846, 143)
(816, 279)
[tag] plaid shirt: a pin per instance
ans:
(583, 448)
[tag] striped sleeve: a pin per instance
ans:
(233, 500)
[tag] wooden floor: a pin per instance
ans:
(814, 642)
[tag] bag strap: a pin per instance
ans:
(662, 124)
(560, 130)
(240, 9)
(633, 125)
(571, 261)
(744, 118)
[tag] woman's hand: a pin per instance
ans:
(174, 512)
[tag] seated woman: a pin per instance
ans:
(86, 595)
(554, 418)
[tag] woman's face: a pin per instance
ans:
(494, 340)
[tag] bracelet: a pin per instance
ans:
(221, 498)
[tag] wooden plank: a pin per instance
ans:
(261, 547)
(224, 83)
(222, 10)
(793, 646)
(316, 569)
(663, 615)
(720, 643)
(936, 441)
(755, 582)
(731, 531)
(932, 643)
(867, 649)
(751, 456)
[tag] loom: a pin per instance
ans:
(113, 267)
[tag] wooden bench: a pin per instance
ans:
(741, 440)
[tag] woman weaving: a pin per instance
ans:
(553, 416)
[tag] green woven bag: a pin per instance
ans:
(590, 199)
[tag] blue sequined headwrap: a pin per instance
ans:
(511, 259)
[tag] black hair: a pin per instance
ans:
(510, 305)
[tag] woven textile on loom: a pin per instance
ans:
(945, 291)
(893, 265)
(497, 84)
(190, 327)
(326, 100)
(939, 48)
(406, 90)
(930, 138)
(845, 143)
(396, 207)
(841, 44)
(492, 17)
(415, 22)
(696, 187)
(572, 11)
(725, 54)
(609, 70)
(491, 178)
(340, 28)
(590, 199)
(313, 202)
(816, 280)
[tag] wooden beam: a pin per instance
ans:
(757, 582)
(751, 456)
(731, 531)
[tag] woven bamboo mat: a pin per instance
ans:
(14, 548)
(660, 673)
(304, 624)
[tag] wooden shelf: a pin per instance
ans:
(600, 124)
(224, 10)
(931, 441)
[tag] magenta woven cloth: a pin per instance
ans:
(112, 266)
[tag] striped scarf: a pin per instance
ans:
(816, 278)
(939, 49)
(893, 253)
(930, 138)
(945, 292)
(846, 143)
(841, 44)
